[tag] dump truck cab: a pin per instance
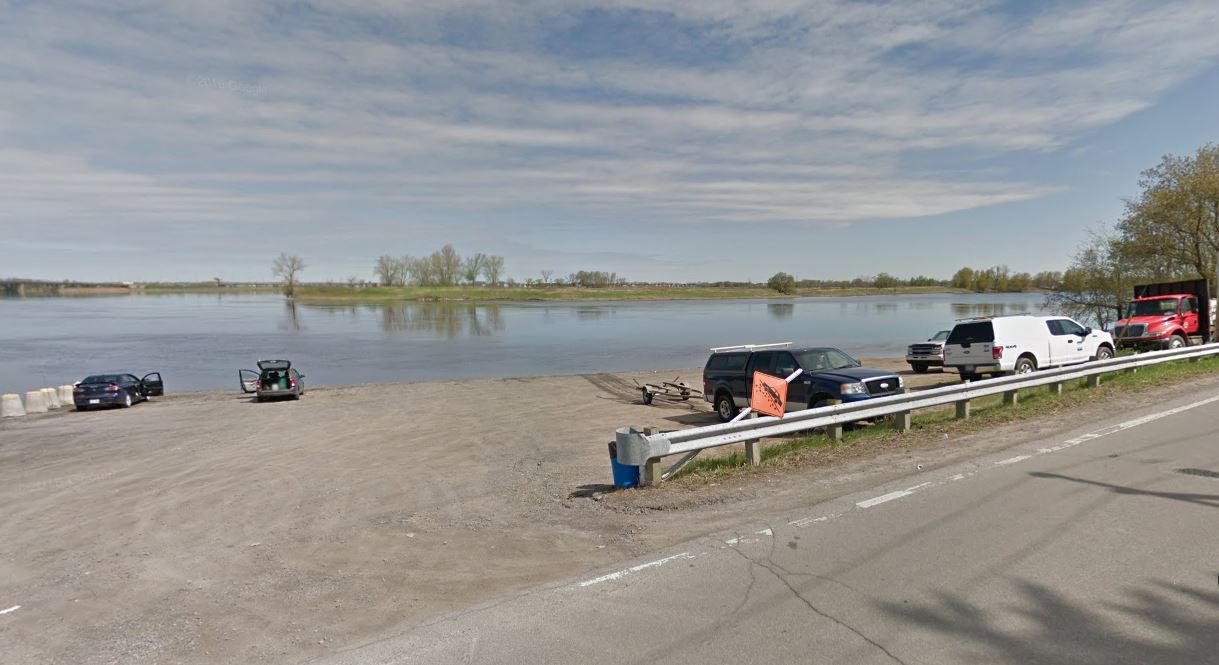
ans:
(1167, 316)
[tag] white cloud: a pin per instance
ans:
(191, 111)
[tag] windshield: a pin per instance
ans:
(817, 360)
(940, 336)
(1161, 307)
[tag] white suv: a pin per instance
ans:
(1020, 344)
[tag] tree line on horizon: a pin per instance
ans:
(444, 267)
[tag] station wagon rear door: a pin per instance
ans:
(248, 379)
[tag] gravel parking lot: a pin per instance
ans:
(208, 528)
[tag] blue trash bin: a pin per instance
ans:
(625, 475)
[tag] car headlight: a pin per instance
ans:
(853, 389)
(909, 350)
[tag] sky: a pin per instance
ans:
(700, 140)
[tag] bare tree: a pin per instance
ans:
(390, 271)
(472, 267)
(287, 267)
(494, 267)
(546, 275)
(450, 265)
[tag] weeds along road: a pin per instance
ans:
(1097, 545)
(205, 528)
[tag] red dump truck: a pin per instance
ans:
(1167, 315)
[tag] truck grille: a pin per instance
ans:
(1136, 330)
(882, 386)
(925, 349)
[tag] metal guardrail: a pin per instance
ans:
(645, 450)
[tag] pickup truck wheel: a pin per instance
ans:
(1024, 366)
(725, 408)
(1176, 342)
(921, 368)
(1104, 353)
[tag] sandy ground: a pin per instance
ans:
(208, 528)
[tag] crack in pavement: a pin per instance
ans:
(770, 566)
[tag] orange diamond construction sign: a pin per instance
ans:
(769, 395)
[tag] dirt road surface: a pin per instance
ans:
(209, 528)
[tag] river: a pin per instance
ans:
(199, 341)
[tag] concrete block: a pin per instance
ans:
(10, 406)
(65, 395)
(35, 402)
(52, 398)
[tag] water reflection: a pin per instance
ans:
(587, 313)
(292, 319)
(448, 320)
(780, 310)
(995, 309)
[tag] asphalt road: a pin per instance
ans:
(1097, 546)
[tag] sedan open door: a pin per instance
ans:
(153, 385)
(248, 379)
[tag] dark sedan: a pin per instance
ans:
(116, 389)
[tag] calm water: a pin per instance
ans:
(200, 341)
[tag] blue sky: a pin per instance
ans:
(720, 139)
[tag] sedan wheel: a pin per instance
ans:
(127, 401)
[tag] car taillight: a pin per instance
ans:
(113, 388)
(996, 352)
(291, 383)
(258, 384)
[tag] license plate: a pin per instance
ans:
(968, 369)
(95, 401)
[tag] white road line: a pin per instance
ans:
(1114, 429)
(635, 569)
(1012, 460)
(876, 501)
(764, 532)
(14, 608)
(805, 521)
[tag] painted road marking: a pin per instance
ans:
(876, 501)
(764, 532)
(1114, 429)
(1083, 438)
(635, 569)
(805, 521)
(14, 608)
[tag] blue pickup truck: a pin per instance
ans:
(828, 374)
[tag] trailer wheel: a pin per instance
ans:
(1176, 342)
(647, 396)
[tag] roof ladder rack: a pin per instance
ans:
(750, 347)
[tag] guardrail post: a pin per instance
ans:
(753, 447)
(901, 421)
(834, 431)
(651, 472)
(963, 409)
(1195, 359)
(1056, 388)
(1094, 381)
(1011, 398)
